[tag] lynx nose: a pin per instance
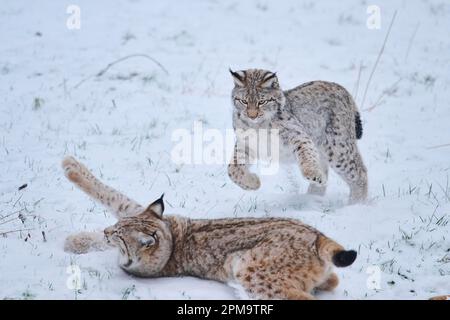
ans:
(252, 113)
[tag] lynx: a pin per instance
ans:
(318, 122)
(264, 258)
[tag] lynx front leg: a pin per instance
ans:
(238, 170)
(307, 155)
(319, 189)
(309, 161)
(119, 204)
(85, 242)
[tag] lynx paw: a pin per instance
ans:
(72, 169)
(250, 182)
(85, 242)
(315, 175)
(243, 178)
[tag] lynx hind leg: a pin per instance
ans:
(263, 285)
(119, 204)
(261, 278)
(85, 242)
(330, 283)
(348, 164)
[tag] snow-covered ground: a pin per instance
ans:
(121, 122)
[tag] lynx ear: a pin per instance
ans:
(157, 207)
(238, 77)
(270, 80)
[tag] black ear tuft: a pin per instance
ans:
(269, 80)
(269, 75)
(234, 74)
(157, 206)
(238, 77)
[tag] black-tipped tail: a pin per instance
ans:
(344, 258)
(358, 126)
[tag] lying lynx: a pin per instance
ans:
(318, 122)
(263, 258)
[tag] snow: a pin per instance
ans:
(120, 125)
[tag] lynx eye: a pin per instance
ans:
(244, 102)
(262, 102)
(147, 240)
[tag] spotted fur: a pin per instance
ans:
(318, 122)
(265, 258)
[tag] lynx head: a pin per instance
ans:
(144, 241)
(256, 94)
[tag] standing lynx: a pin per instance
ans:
(262, 258)
(318, 122)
